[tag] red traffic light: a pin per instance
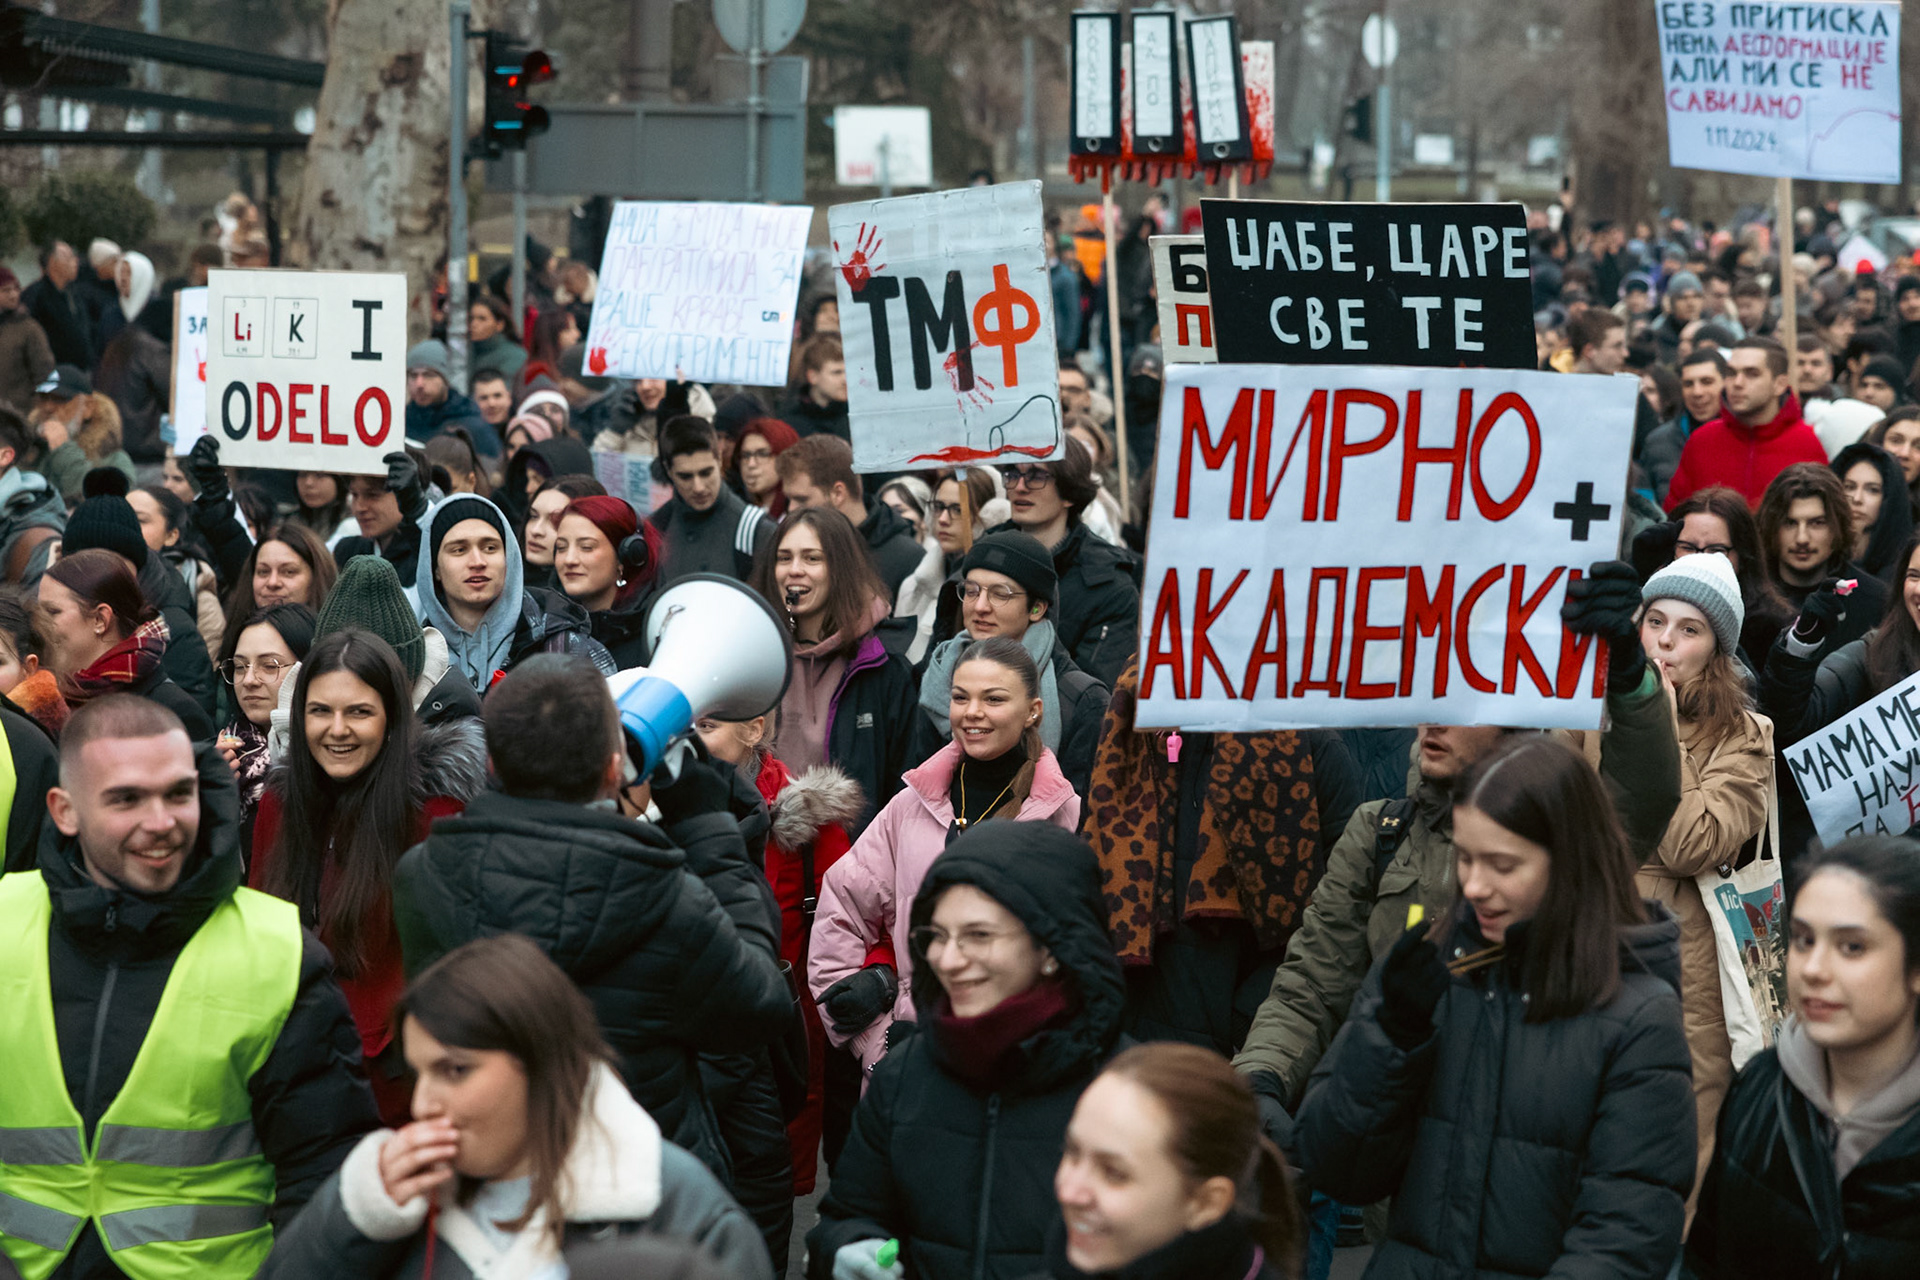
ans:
(536, 67)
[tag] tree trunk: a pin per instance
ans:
(374, 194)
(1619, 123)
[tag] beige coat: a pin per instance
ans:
(1724, 789)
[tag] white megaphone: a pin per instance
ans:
(718, 649)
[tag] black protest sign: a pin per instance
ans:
(1296, 282)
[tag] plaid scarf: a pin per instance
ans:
(130, 662)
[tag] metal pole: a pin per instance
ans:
(150, 179)
(756, 26)
(1025, 140)
(1115, 374)
(1783, 245)
(457, 12)
(517, 278)
(886, 169)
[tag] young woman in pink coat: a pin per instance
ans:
(994, 769)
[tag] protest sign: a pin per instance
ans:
(629, 476)
(1294, 282)
(1186, 313)
(1861, 774)
(306, 370)
(705, 292)
(957, 280)
(1782, 90)
(1349, 546)
(187, 407)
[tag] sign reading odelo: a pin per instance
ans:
(306, 370)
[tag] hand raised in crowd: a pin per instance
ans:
(699, 786)
(209, 477)
(403, 481)
(1825, 609)
(1411, 984)
(1606, 603)
(1653, 548)
(417, 1159)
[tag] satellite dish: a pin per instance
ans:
(779, 22)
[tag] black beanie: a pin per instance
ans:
(1888, 370)
(462, 506)
(106, 522)
(1021, 557)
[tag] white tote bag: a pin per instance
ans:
(1748, 907)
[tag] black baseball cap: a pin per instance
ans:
(65, 382)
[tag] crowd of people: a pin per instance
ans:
(344, 933)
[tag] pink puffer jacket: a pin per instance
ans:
(867, 894)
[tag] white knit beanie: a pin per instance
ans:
(1707, 582)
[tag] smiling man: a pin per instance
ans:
(181, 1066)
(479, 600)
(1806, 537)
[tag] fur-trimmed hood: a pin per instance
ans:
(452, 756)
(821, 796)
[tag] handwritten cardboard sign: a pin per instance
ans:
(1345, 546)
(1861, 774)
(188, 407)
(700, 292)
(1295, 282)
(1782, 90)
(306, 370)
(946, 317)
(1180, 288)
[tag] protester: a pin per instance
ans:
(606, 560)
(493, 397)
(388, 510)
(850, 700)
(1899, 434)
(1008, 589)
(522, 1146)
(290, 565)
(31, 510)
(432, 402)
(31, 687)
(269, 646)
(1760, 433)
(492, 343)
(1717, 519)
(360, 784)
(1166, 1174)
(1599, 342)
(76, 430)
(818, 472)
(911, 500)
(103, 637)
(135, 366)
(1702, 379)
(166, 525)
(1868, 474)
(821, 408)
(755, 462)
(542, 523)
(452, 457)
(1806, 532)
(993, 767)
(323, 505)
(947, 541)
(706, 526)
(51, 303)
(1814, 1171)
(1556, 976)
(1882, 383)
(477, 600)
(1690, 630)
(25, 357)
(962, 1123)
(190, 1009)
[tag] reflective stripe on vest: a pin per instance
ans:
(175, 1181)
(9, 781)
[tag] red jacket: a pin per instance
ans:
(1727, 452)
(811, 810)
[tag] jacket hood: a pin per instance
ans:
(21, 491)
(564, 455)
(818, 798)
(102, 921)
(1050, 879)
(1895, 525)
(139, 284)
(476, 654)
(883, 523)
(1783, 421)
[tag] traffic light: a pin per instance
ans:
(1360, 118)
(512, 69)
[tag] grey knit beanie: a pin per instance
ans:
(1707, 582)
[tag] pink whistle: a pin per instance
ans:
(1845, 586)
(1173, 748)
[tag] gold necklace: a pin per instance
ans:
(962, 821)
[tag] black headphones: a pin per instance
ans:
(633, 551)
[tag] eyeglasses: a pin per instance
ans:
(951, 510)
(973, 943)
(236, 669)
(756, 455)
(970, 591)
(1695, 549)
(1027, 478)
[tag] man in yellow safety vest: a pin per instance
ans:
(181, 1071)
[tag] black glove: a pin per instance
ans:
(1411, 984)
(403, 482)
(203, 467)
(1653, 547)
(853, 1003)
(1606, 603)
(1824, 610)
(702, 787)
(1275, 1120)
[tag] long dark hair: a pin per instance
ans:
(364, 824)
(1750, 563)
(1805, 480)
(303, 542)
(1893, 650)
(179, 518)
(1544, 791)
(503, 994)
(1216, 1134)
(324, 520)
(853, 584)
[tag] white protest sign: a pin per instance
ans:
(306, 370)
(946, 317)
(1782, 89)
(630, 476)
(1372, 545)
(1861, 774)
(883, 146)
(188, 407)
(705, 292)
(1186, 313)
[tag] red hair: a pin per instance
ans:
(615, 517)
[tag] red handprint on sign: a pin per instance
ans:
(865, 259)
(980, 396)
(597, 361)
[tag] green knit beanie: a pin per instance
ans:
(369, 596)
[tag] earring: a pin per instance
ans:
(620, 582)
(1050, 966)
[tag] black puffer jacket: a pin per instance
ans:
(186, 660)
(1771, 1206)
(896, 552)
(870, 733)
(1099, 593)
(110, 954)
(964, 1179)
(1515, 1148)
(677, 947)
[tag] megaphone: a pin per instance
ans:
(718, 649)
